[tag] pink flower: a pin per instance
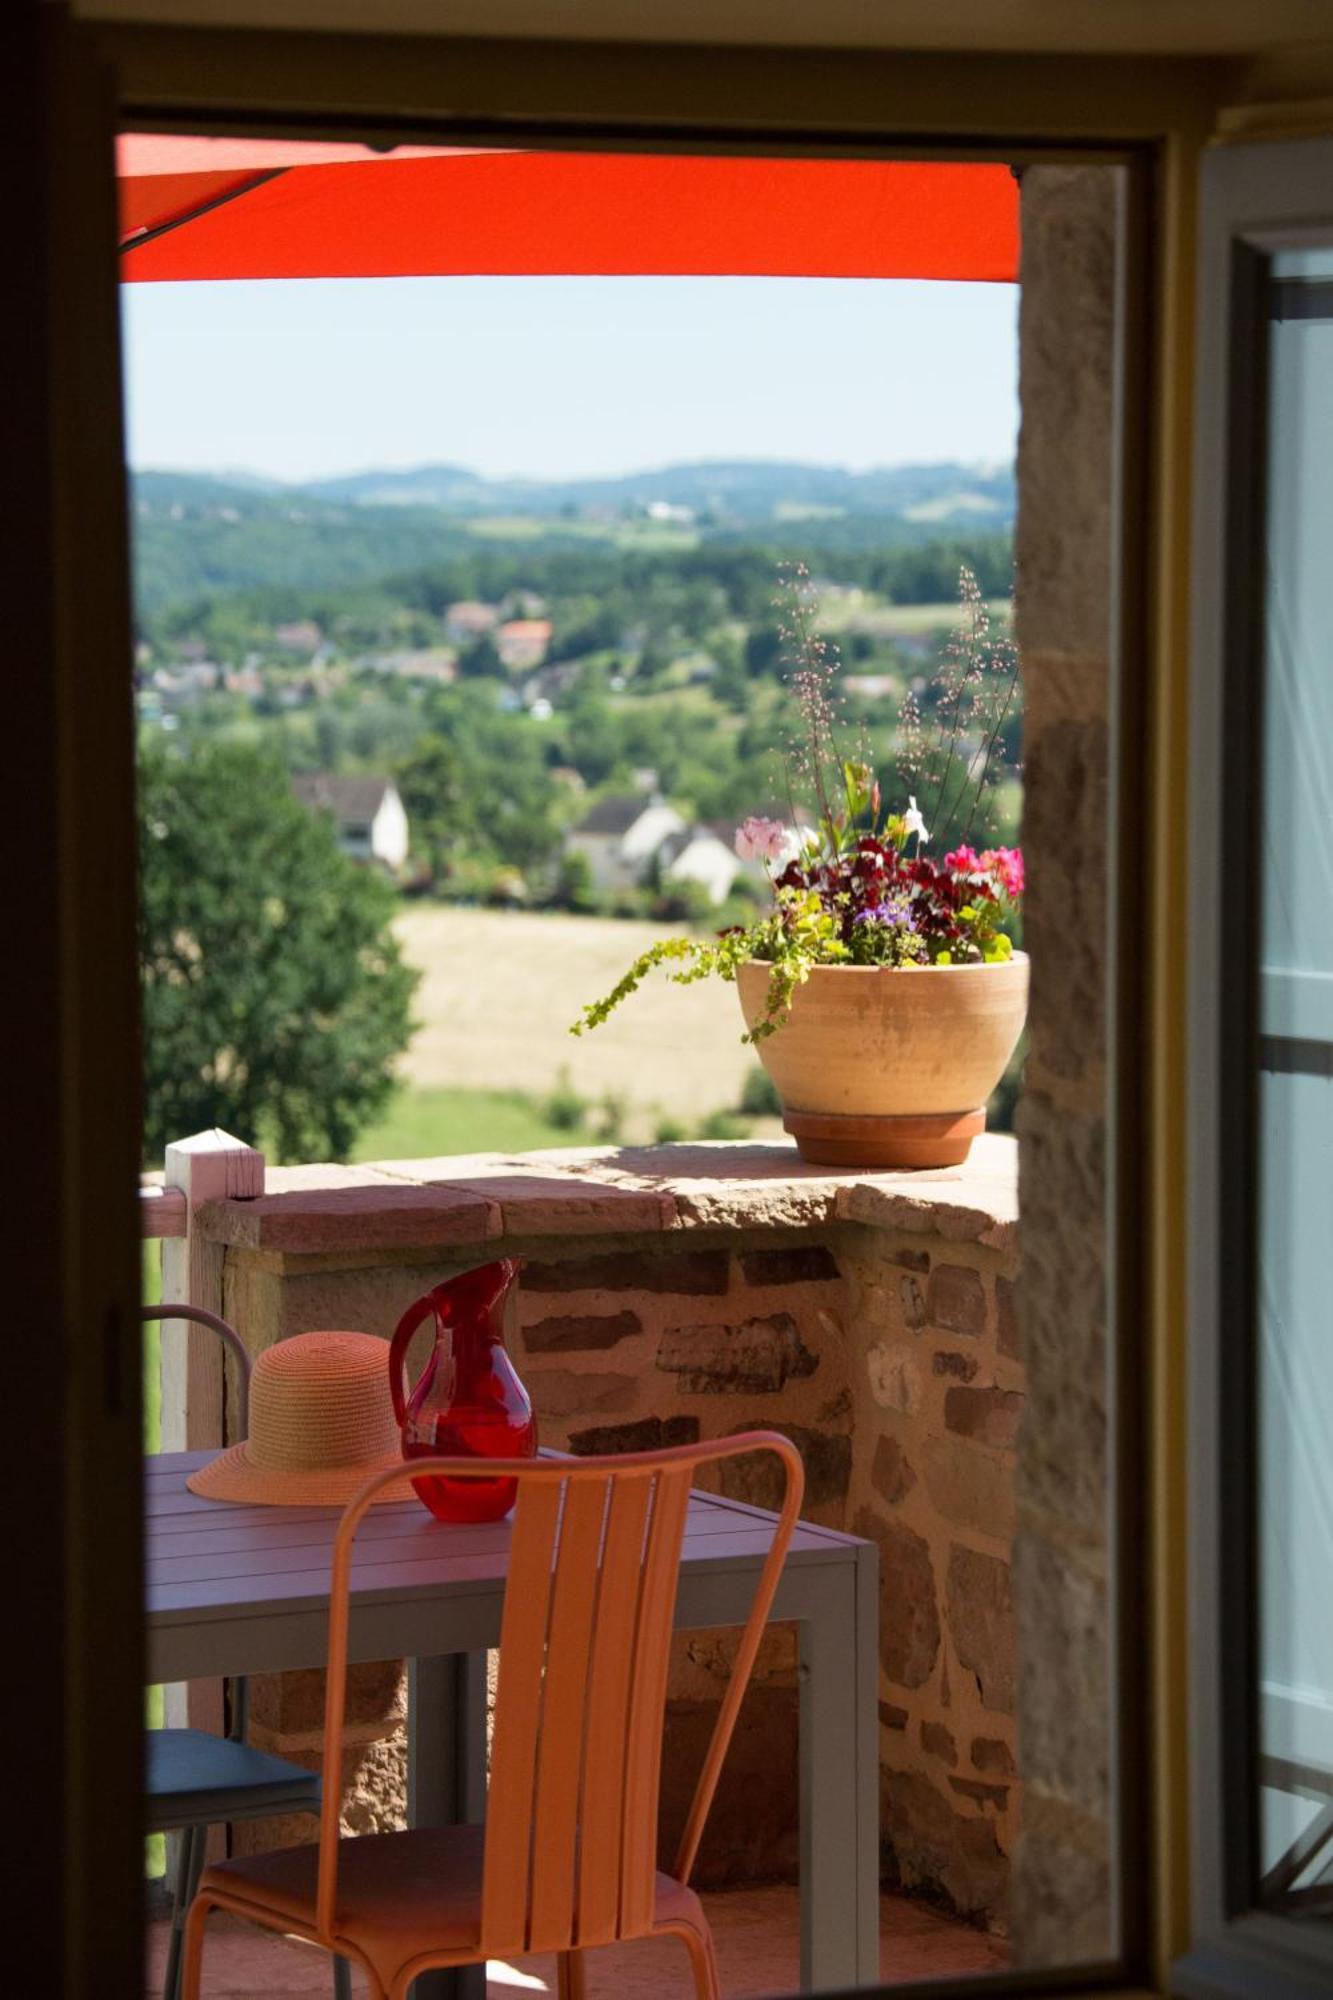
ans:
(964, 861)
(1006, 864)
(762, 839)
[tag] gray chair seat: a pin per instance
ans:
(198, 1780)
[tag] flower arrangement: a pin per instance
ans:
(858, 886)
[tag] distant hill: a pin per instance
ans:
(205, 536)
(740, 490)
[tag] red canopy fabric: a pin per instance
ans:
(220, 208)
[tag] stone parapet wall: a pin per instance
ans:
(696, 1291)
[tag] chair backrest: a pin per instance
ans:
(225, 1332)
(571, 1816)
(240, 1686)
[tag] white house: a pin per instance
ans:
(367, 813)
(619, 838)
(703, 856)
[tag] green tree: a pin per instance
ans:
(433, 785)
(481, 661)
(275, 998)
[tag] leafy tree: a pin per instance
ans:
(433, 785)
(275, 998)
(481, 661)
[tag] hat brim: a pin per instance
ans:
(233, 1476)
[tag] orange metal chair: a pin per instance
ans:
(567, 1858)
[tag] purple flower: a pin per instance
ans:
(896, 914)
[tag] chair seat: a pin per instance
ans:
(400, 1895)
(195, 1779)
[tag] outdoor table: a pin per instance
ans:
(237, 1589)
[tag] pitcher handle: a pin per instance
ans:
(420, 1310)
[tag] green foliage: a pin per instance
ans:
(274, 995)
(565, 1109)
(759, 1095)
(721, 1125)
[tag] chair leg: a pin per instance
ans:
(193, 1960)
(342, 1979)
(571, 1976)
(188, 1870)
(703, 1961)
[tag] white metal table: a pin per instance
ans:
(240, 1590)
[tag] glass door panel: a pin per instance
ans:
(1294, 1107)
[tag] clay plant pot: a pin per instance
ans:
(890, 1067)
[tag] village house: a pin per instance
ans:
(366, 811)
(467, 621)
(620, 837)
(522, 643)
(704, 856)
(300, 636)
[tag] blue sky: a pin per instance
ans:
(560, 377)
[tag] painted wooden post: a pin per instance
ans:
(212, 1166)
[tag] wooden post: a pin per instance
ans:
(212, 1166)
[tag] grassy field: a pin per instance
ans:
(420, 1123)
(500, 989)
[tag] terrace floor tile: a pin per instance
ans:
(756, 1932)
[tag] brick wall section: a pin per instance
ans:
(693, 1292)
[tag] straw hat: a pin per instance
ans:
(321, 1423)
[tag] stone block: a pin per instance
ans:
(982, 1795)
(895, 1378)
(910, 1260)
(993, 1756)
(802, 1264)
(560, 1392)
(758, 1478)
(892, 1717)
(971, 1489)
(956, 1299)
(1062, 1884)
(948, 1855)
(752, 1833)
(980, 1605)
(909, 1618)
(915, 1314)
(938, 1741)
(645, 1434)
(693, 1273)
(366, 1213)
(1065, 1698)
(890, 1473)
(991, 1416)
(1007, 1336)
(962, 1367)
(290, 1706)
(756, 1357)
(580, 1332)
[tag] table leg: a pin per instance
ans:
(839, 1654)
(446, 1774)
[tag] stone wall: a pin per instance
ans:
(692, 1292)
(1062, 1889)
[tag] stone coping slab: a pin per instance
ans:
(602, 1191)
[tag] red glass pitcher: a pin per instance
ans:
(468, 1399)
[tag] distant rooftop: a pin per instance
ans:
(615, 815)
(353, 799)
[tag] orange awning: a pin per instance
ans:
(225, 208)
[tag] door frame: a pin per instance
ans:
(975, 106)
(1257, 198)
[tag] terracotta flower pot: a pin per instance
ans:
(888, 1067)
